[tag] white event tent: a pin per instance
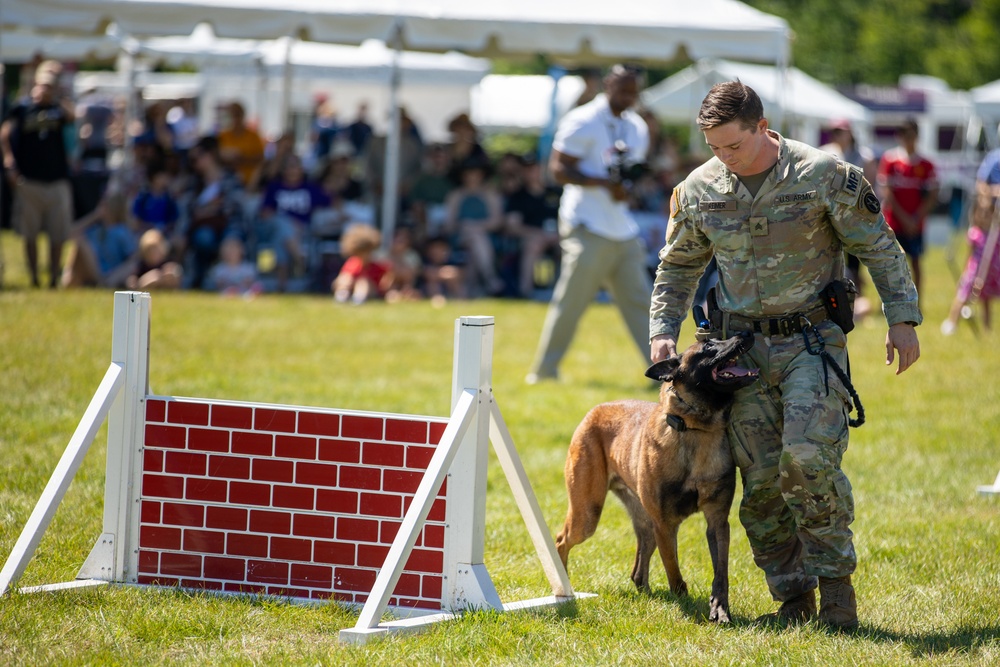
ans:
(808, 104)
(986, 102)
(573, 31)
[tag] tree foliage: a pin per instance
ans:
(877, 41)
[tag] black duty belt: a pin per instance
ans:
(786, 325)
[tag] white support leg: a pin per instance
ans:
(990, 490)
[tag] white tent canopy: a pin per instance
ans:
(807, 103)
(510, 103)
(986, 101)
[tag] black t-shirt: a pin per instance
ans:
(38, 142)
(535, 209)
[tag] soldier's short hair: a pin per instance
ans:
(729, 101)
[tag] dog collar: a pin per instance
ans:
(676, 422)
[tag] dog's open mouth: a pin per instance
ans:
(730, 372)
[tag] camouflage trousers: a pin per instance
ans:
(788, 436)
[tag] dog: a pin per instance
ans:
(664, 461)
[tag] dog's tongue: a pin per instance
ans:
(734, 371)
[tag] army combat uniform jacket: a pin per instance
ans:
(777, 250)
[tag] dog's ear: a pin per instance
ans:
(663, 371)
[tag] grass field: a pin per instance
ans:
(928, 579)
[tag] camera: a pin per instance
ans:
(620, 171)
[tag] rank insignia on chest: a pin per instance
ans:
(716, 206)
(758, 226)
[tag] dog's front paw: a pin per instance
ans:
(717, 611)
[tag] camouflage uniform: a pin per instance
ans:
(775, 252)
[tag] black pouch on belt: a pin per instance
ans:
(838, 300)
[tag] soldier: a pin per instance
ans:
(778, 216)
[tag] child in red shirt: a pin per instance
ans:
(361, 278)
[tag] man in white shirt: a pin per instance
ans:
(601, 245)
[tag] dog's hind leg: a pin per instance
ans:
(718, 547)
(666, 542)
(644, 533)
(587, 488)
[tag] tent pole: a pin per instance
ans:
(390, 181)
(286, 86)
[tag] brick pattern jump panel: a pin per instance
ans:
(282, 500)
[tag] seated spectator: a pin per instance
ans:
(429, 191)
(104, 245)
(474, 212)
(532, 217)
(464, 145)
(234, 275)
(241, 147)
(275, 156)
(404, 265)
(155, 205)
(362, 277)
(154, 270)
(214, 211)
(443, 275)
(336, 177)
(285, 217)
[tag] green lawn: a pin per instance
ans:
(928, 579)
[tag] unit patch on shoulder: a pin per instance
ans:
(870, 201)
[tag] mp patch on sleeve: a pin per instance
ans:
(849, 184)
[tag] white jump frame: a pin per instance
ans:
(475, 421)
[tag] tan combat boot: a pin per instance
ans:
(838, 607)
(796, 610)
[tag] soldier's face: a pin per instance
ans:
(738, 148)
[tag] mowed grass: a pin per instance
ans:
(928, 579)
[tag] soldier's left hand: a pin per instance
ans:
(902, 337)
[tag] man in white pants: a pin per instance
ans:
(601, 245)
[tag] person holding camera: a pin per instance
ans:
(778, 216)
(595, 147)
(36, 163)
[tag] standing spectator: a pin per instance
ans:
(103, 246)
(474, 214)
(909, 190)
(532, 216)
(241, 148)
(600, 243)
(359, 131)
(33, 140)
(325, 127)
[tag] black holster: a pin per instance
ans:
(838, 300)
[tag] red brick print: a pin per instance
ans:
(351, 579)
(275, 523)
(152, 460)
(253, 444)
(311, 525)
(294, 497)
(241, 544)
(437, 512)
(401, 481)
(246, 493)
(270, 470)
(204, 541)
(267, 419)
(312, 576)
(418, 458)
(317, 474)
(285, 592)
(173, 437)
(201, 584)
(318, 423)
(249, 589)
(425, 560)
(388, 530)
(408, 585)
(267, 572)
(185, 463)
(295, 447)
(162, 486)
(336, 553)
(156, 411)
(208, 440)
(231, 467)
(400, 430)
(225, 518)
(149, 561)
(158, 581)
(371, 555)
(360, 478)
(432, 536)
(230, 569)
(158, 537)
(290, 548)
(436, 431)
(182, 565)
(149, 512)
(180, 514)
(194, 414)
(365, 428)
(336, 502)
(380, 504)
(232, 416)
(211, 490)
(357, 530)
(432, 587)
(378, 454)
(342, 451)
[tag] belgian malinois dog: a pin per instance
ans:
(664, 461)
